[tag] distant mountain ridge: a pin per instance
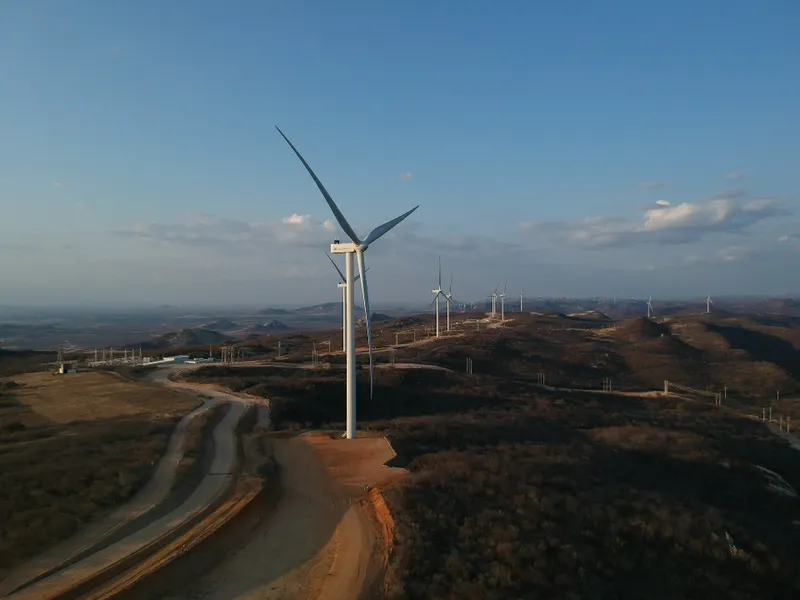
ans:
(220, 325)
(273, 311)
(324, 309)
(190, 336)
(269, 326)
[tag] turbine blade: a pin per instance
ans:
(380, 230)
(365, 294)
(357, 277)
(450, 291)
(440, 274)
(505, 287)
(335, 266)
(334, 209)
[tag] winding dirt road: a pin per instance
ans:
(95, 534)
(323, 540)
(74, 560)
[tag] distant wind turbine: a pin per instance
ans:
(449, 297)
(708, 304)
(494, 300)
(357, 248)
(650, 306)
(436, 293)
(503, 303)
(343, 286)
(520, 300)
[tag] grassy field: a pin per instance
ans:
(71, 448)
(517, 491)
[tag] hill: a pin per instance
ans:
(273, 311)
(590, 315)
(374, 318)
(325, 309)
(519, 491)
(220, 325)
(190, 336)
(269, 326)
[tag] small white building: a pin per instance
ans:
(178, 360)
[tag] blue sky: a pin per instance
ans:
(139, 161)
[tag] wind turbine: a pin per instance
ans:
(708, 304)
(436, 293)
(520, 301)
(494, 300)
(342, 285)
(449, 297)
(650, 306)
(503, 303)
(357, 247)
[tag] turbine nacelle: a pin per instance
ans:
(345, 247)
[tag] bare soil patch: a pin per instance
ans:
(322, 539)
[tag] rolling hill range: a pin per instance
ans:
(582, 493)
(189, 337)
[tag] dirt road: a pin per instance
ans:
(85, 554)
(225, 456)
(321, 541)
(152, 494)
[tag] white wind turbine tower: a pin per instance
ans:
(708, 304)
(503, 303)
(650, 306)
(436, 293)
(494, 300)
(520, 301)
(449, 297)
(357, 247)
(342, 285)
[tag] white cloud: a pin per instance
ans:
(407, 176)
(217, 232)
(663, 202)
(295, 219)
(60, 184)
(735, 176)
(732, 254)
(730, 211)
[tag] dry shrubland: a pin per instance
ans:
(521, 492)
(71, 448)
